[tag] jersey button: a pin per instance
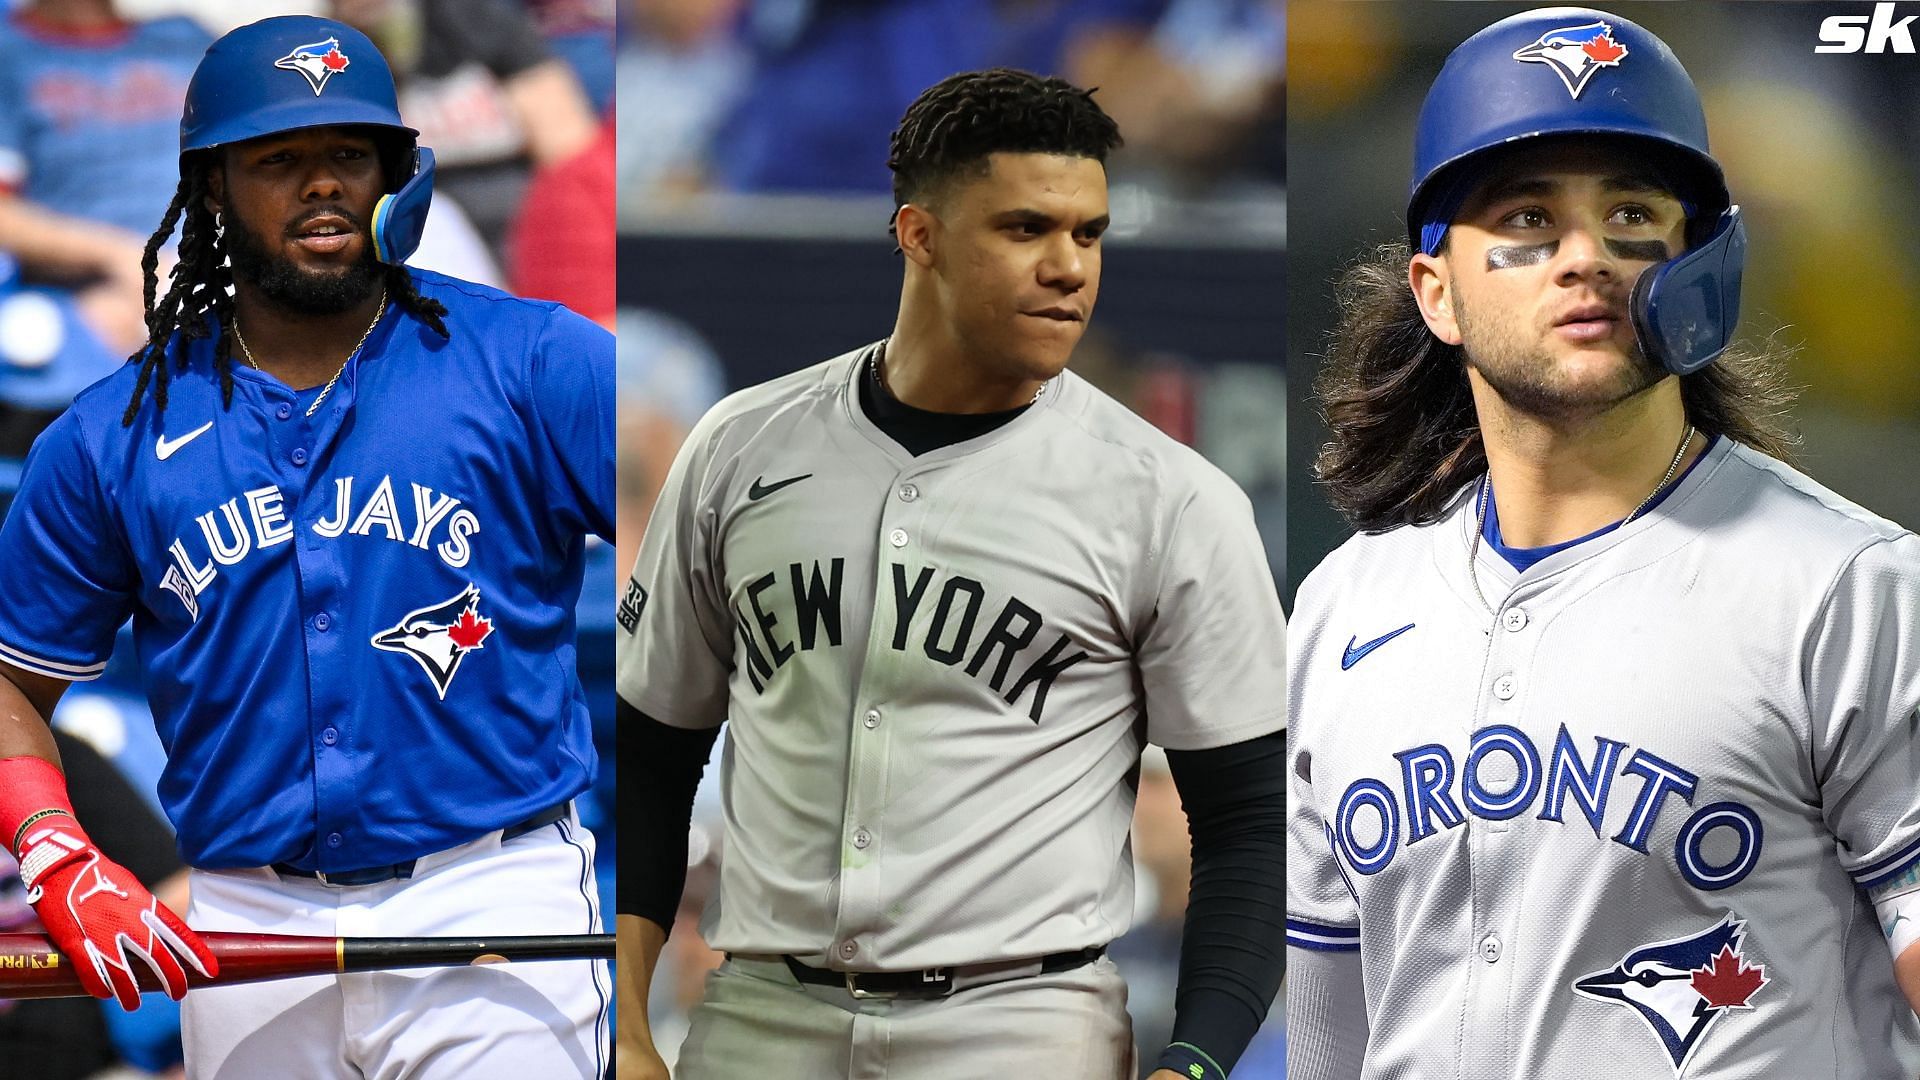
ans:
(284, 412)
(861, 838)
(1503, 687)
(330, 736)
(898, 538)
(909, 492)
(299, 455)
(322, 621)
(872, 719)
(849, 950)
(1515, 620)
(1490, 949)
(334, 839)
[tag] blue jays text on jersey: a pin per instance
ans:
(357, 628)
(229, 533)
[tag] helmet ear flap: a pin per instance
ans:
(1684, 310)
(399, 219)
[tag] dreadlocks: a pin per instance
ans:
(201, 285)
(1404, 435)
(952, 128)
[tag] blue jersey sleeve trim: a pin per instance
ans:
(51, 668)
(1321, 937)
(1888, 868)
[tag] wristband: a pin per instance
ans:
(28, 824)
(1191, 1061)
(31, 788)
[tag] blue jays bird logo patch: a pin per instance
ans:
(1575, 53)
(439, 636)
(319, 62)
(1683, 986)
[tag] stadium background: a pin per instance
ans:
(753, 242)
(515, 96)
(1821, 150)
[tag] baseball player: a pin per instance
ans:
(344, 504)
(942, 591)
(1603, 746)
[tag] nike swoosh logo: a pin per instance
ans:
(760, 491)
(1353, 656)
(165, 448)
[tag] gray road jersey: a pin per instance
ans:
(939, 671)
(1624, 827)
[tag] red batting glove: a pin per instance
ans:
(94, 910)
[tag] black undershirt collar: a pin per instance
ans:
(917, 430)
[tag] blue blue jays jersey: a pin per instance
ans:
(357, 628)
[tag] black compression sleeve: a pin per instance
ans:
(1233, 950)
(660, 767)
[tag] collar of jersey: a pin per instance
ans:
(853, 366)
(343, 391)
(1521, 558)
(1449, 554)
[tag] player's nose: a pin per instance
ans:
(322, 183)
(1584, 256)
(1064, 265)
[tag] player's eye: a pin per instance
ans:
(1027, 229)
(1527, 217)
(1633, 215)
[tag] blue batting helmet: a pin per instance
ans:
(1576, 72)
(300, 71)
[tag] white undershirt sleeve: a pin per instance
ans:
(1326, 1015)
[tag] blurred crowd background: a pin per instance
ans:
(754, 200)
(514, 96)
(1822, 151)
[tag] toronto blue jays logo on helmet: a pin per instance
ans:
(319, 62)
(1575, 53)
(439, 636)
(1683, 986)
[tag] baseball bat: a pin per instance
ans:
(30, 967)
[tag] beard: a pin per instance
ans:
(285, 283)
(1528, 379)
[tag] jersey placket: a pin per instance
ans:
(863, 889)
(1495, 860)
(303, 451)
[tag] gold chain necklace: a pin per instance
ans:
(1486, 491)
(364, 335)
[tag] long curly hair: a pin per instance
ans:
(1405, 438)
(202, 284)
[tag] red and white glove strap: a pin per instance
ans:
(46, 847)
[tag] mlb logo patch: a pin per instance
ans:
(1575, 53)
(319, 62)
(1680, 988)
(631, 605)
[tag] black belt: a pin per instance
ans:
(402, 871)
(939, 982)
